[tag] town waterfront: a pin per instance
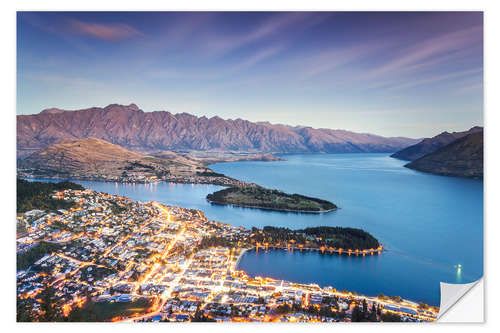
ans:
(428, 224)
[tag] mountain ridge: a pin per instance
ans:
(134, 129)
(430, 145)
(462, 158)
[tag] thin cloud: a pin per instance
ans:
(248, 62)
(107, 32)
(437, 78)
(418, 55)
(60, 80)
(218, 44)
(328, 60)
(258, 57)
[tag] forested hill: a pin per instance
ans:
(38, 195)
(338, 237)
(259, 197)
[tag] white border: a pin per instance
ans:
(7, 123)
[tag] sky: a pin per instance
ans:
(412, 74)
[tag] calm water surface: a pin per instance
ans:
(428, 223)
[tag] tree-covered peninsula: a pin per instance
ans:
(309, 238)
(259, 197)
(336, 237)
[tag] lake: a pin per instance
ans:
(429, 224)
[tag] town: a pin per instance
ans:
(109, 258)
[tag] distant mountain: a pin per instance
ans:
(430, 145)
(130, 127)
(463, 158)
(92, 158)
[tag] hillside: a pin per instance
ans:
(38, 195)
(97, 159)
(134, 129)
(430, 145)
(463, 158)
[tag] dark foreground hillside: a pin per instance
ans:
(461, 158)
(430, 145)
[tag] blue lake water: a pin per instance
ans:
(428, 224)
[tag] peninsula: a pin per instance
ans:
(96, 159)
(262, 198)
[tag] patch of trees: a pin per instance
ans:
(338, 237)
(38, 195)
(136, 164)
(117, 209)
(50, 311)
(28, 258)
(363, 314)
(214, 241)
(24, 310)
(105, 311)
(390, 317)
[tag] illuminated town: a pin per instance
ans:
(157, 263)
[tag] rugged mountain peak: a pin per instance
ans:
(121, 107)
(476, 129)
(130, 127)
(52, 111)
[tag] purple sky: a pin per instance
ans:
(390, 73)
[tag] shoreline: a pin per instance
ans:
(355, 252)
(352, 292)
(243, 251)
(42, 178)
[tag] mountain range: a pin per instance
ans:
(130, 127)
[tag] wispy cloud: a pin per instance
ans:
(327, 60)
(217, 44)
(258, 57)
(104, 31)
(62, 80)
(424, 53)
(436, 78)
(228, 71)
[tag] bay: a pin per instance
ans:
(429, 224)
